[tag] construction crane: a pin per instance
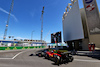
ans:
(42, 23)
(11, 8)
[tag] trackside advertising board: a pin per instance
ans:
(55, 44)
(72, 24)
(56, 37)
(20, 47)
(92, 16)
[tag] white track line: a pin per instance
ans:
(5, 58)
(17, 55)
(20, 53)
(87, 60)
(14, 56)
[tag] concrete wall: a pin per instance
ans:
(82, 11)
(85, 44)
(85, 41)
(95, 38)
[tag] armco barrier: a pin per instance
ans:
(20, 47)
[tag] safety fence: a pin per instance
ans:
(20, 47)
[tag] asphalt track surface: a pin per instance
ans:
(22, 58)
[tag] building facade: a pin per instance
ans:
(81, 26)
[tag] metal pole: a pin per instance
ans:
(42, 23)
(42, 28)
(32, 35)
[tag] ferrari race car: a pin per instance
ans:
(41, 53)
(59, 57)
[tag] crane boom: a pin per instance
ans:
(11, 8)
(42, 23)
(46, 35)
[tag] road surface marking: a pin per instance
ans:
(5, 58)
(17, 54)
(87, 60)
(14, 56)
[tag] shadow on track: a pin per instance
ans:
(93, 54)
(31, 55)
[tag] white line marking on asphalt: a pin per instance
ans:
(17, 55)
(5, 58)
(87, 60)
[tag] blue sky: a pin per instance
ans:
(26, 15)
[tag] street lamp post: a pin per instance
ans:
(32, 34)
(12, 37)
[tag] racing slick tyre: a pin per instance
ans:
(40, 55)
(67, 60)
(57, 60)
(46, 56)
(70, 58)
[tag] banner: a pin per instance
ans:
(56, 37)
(72, 24)
(20, 47)
(92, 16)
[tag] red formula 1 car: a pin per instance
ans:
(53, 51)
(49, 54)
(59, 57)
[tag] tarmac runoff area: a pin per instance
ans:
(12, 54)
(22, 58)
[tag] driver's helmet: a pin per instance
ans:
(52, 51)
(59, 52)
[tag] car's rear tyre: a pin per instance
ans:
(70, 58)
(46, 56)
(57, 60)
(40, 55)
